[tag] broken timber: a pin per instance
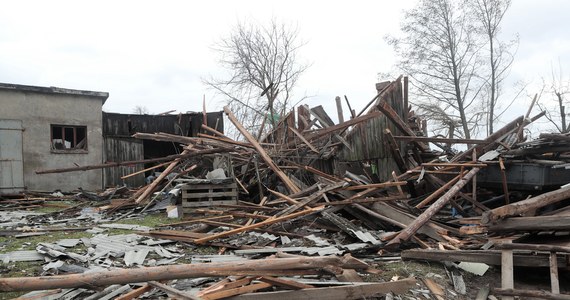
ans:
(260, 267)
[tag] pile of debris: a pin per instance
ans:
(287, 205)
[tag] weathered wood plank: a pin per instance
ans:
(357, 291)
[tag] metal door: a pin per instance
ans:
(11, 162)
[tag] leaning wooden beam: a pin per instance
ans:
(291, 186)
(257, 225)
(433, 209)
(261, 267)
(304, 140)
(525, 206)
(335, 128)
(151, 187)
(438, 192)
(354, 291)
(393, 116)
(490, 139)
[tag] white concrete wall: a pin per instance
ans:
(37, 112)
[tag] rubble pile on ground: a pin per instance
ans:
(311, 210)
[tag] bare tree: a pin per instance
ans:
(440, 49)
(140, 110)
(489, 14)
(559, 86)
(263, 70)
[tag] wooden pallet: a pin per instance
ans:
(200, 195)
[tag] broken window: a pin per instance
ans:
(66, 138)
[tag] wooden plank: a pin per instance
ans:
(335, 128)
(257, 225)
(375, 185)
(507, 276)
(525, 206)
(291, 186)
(434, 288)
(395, 150)
(151, 187)
(172, 291)
(135, 293)
(236, 291)
(393, 116)
(425, 139)
(533, 247)
(490, 257)
(554, 282)
(390, 213)
(530, 224)
(529, 293)
(438, 192)
(313, 198)
(356, 291)
(434, 208)
(304, 140)
(285, 283)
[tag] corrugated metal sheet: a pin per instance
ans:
(123, 149)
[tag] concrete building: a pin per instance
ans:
(48, 128)
(43, 128)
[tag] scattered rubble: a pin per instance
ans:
(309, 211)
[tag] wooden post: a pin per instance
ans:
(339, 110)
(554, 282)
(507, 279)
(504, 180)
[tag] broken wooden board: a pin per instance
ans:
(356, 291)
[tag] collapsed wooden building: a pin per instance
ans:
(369, 187)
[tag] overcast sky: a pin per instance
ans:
(154, 54)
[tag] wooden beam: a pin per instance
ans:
(335, 128)
(149, 189)
(393, 116)
(436, 140)
(304, 140)
(260, 267)
(172, 291)
(490, 257)
(438, 192)
(546, 223)
(291, 186)
(525, 206)
(433, 209)
(375, 185)
(347, 292)
(256, 225)
(530, 293)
